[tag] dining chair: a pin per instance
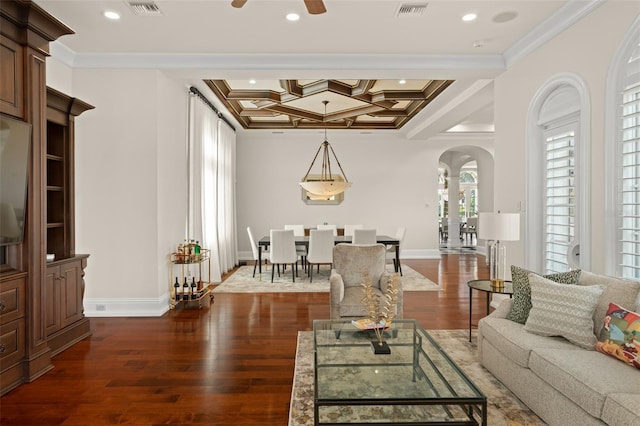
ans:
(391, 249)
(332, 227)
(255, 250)
(364, 236)
(348, 229)
(321, 244)
(283, 251)
(298, 231)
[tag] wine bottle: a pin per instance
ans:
(185, 289)
(194, 294)
(176, 287)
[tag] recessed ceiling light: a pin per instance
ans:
(402, 81)
(252, 81)
(111, 14)
(469, 17)
(292, 16)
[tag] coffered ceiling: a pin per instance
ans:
(354, 104)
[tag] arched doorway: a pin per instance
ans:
(465, 186)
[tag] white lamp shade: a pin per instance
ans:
(499, 226)
(325, 188)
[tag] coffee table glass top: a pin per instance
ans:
(417, 379)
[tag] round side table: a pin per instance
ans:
(487, 287)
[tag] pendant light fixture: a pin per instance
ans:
(329, 184)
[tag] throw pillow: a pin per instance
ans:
(522, 290)
(563, 310)
(620, 335)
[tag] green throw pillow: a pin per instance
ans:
(522, 290)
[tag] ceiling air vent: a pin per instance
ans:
(145, 8)
(411, 9)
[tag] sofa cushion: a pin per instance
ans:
(620, 335)
(563, 310)
(522, 290)
(585, 377)
(622, 292)
(621, 409)
(515, 343)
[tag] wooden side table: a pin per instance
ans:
(487, 287)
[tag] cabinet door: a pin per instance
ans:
(52, 300)
(12, 86)
(71, 293)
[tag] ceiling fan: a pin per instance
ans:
(314, 7)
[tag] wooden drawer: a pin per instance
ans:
(12, 299)
(11, 343)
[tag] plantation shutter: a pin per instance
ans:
(559, 219)
(629, 184)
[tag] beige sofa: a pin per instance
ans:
(563, 383)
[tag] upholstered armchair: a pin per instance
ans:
(345, 283)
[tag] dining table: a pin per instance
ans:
(265, 242)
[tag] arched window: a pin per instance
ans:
(557, 221)
(623, 159)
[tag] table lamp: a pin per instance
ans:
(498, 227)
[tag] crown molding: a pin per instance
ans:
(491, 64)
(564, 18)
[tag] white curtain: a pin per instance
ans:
(211, 186)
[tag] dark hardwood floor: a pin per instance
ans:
(228, 364)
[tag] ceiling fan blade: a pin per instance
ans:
(315, 7)
(238, 3)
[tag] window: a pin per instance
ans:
(557, 227)
(623, 163)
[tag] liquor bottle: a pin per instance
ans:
(185, 290)
(194, 294)
(176, 287)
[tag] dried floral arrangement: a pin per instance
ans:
(381, 315)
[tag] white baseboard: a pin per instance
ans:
(130, 307)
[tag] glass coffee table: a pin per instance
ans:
(416, 384)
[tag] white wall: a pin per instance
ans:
(585, 49)
(395, 183)
(130, 180)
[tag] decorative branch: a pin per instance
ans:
(381, 315)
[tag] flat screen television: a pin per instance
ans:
(15, 140)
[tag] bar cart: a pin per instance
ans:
(189, 277)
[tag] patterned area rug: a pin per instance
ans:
(242, 281)
(504, 409)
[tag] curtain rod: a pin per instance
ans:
(203, 98)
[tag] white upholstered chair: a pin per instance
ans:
(255, 250)
(332, 227)
(345, 284)
(364, 236)
(391, 249)
(320, 249)
(298, 231)
(283, 251)
(348, 229)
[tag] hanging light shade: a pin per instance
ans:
(329, 184)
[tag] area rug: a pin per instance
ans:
(504, 408)
(242, 281)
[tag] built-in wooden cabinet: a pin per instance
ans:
(64, 310)
(41, 310)
(12, 328)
